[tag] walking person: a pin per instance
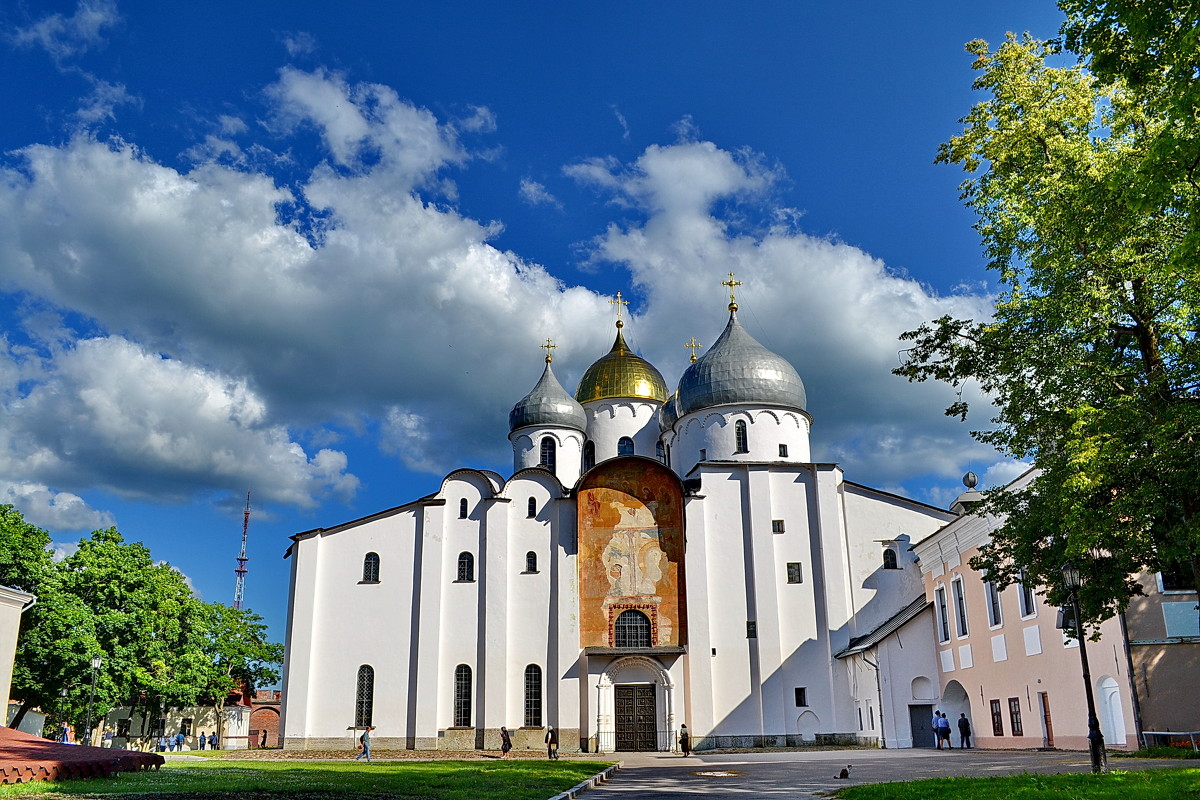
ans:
(505, 742)
(964, 732)
(551, 743)
(685, 740)
(213, 741)
(179, 737)
(935, 726)
(262, 742)
(203, 740)
(364, 742)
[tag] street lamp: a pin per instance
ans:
(1072, 580)
(64, 713)
(96, 662)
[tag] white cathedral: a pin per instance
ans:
(656, 559)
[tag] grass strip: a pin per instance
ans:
(1153, 784)
(432, 780)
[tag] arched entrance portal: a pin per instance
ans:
(1112, 716)
(640, 693)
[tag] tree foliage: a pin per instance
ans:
(1091, 356)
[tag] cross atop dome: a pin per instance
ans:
(618, 303)
(548, 347)
(693, 345)
(732, 284)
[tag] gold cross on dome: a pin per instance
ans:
(693, 345)
(732, 284)
(618, 303)
(548, 346)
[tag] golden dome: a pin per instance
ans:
(621, 373)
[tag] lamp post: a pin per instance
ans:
(64, 713)
(96, 662)
(1072, 580)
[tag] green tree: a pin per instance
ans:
(1091, 356)
(239, 655)
(24, 552)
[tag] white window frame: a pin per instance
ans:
(991, 596)
(1025, 590)
(940, 611)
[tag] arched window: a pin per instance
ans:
(364, 697)
(632, 629)
(741, 439)
(462, 508)
(462, 696)
(532, 508)
(625, 446)
(589, 456)
(533, 696)
(371, 568)
(531, 561)
(889, 559)
(661, 452)
(466, 567)
(549, 453)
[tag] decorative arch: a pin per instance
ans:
(808, 725)
(645, 663)
(922, 688)
(1111, 713)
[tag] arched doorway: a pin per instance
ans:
(641, 695)
(1112, 716)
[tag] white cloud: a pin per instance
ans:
(300, 43)
(63, 550)
(51, 510)
(535, 194)
(101, 104)
(66, 37)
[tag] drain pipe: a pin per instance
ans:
(879, 693)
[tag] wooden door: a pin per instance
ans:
(636, 717)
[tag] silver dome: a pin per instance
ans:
(547, 404)
(739, 370)
(668, 414)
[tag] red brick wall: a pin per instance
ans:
(268, 718)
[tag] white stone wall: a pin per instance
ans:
(713, 431)
(527, 451)
(609, 420)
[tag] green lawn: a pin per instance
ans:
(424, 780)
(1156, 784)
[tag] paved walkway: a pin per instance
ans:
(662, 776)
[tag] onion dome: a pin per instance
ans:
(669, 413)
(547, 404)
(737, 370)
(621, 373)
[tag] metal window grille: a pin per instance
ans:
(462, 696)
(364, 698)
(549, 458)
(1014, 716)
(632, 629)
(794, 572)
(740, 437)
(531, 561)
(371, 568)
(889, 559)
(466, 567)
(625, 446)
(533, 696)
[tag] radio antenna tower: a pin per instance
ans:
(239, 589)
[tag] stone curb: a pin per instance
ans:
(595, 780)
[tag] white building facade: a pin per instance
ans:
(657, 558)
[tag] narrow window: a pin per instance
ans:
(364, 698)
(776, 526)
(794, 573)
(462, 696)
(860, 727)
(660, 452)
(1028, 604)
(703, 454)
(532, 509)
(871, 710)
(549, 453)
(993, 604)
(462, 508)
(801, 696)
(889, 559)
(741, 443)
(960, 606)
(185, 727)
(783, 451)
(997, 719)
(751, 629)
(625, 446)
(632, 629)
(533, 696)
(589, 456)
(371, 568)
(531, 561)
(466, 568)
(1014, 716)
(943, 623)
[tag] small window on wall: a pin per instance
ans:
(532, 508)
(660, 452)
(751, 629)
(462, 508)
(625, 446)
(776, 526)
(466, 568)
(783, 451)
(741, 440)
(801, 696)
(794, 573)
(589, 456)
(549, 454)
(889, 559)
(1014, 716)
(371, 568)
(703, 454)
(185, 727)
(997, 719)
(531, 562)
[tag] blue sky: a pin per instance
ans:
(310, 252)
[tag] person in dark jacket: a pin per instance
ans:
(685, 740)
(551, 743)
(505, 742)
(964, 732)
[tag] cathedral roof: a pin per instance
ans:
(547, 404)
(621, 373)
(737, 370)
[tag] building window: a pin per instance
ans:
(632, 629)
(364, 697)
(997, 719)
(943, 621)
(532, 508)
(371, 568)
(589, 456)
(860, 727)
(1177, 577)
(1028, 604)
(993, 604)
(889, 559)
(960, 606)
(794, 573)
(776, 526)
(533, 696)
(703, 454)
(660, 452)
(531, 561)
(751, 629)
(123, 728)
(801, 696)
(185, 726)
(466, 568)
(625, 446)
(741, 440)
(462, 696)
(1014, 715)
(871, 710)
(462, 508)
(783, 451)
(549, 458)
